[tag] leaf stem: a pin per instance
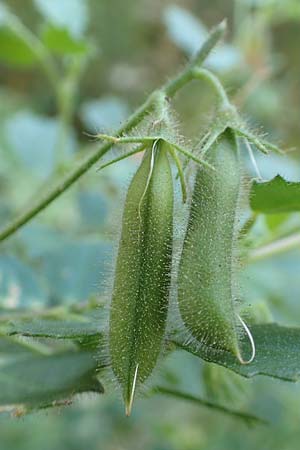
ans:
(209, 77)
(275, 248)
(168, 90)
(248, 418)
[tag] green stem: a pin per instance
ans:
(209, 77)
(169, 90)
(187, 74)
(248, 418)
(275, 248)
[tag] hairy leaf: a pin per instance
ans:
(38, 380)
(277, 353)
(51, 328)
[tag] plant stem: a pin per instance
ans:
(248, 418)
(168, 90)
(275, 248)
(187, 74)
(209, 77)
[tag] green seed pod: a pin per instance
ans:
(143, 272)
(206, 278)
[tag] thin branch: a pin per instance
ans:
(187, 75)
(248, 418)
(209, 77)
(168, 90)
(275, 248)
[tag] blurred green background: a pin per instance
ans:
(109, 55)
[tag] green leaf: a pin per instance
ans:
(275, 221)
(277, 353)
(38, 380)
(246, 417)
(86, 332)
(55, 329)
(12, 347)
(60, 41)
(275, 196)
(13, 50)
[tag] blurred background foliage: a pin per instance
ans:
(108, 55)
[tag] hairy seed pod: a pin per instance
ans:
(142, 275)
(206, 278)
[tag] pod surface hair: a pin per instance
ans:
(207, 285)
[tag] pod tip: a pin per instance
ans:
(252, 343)
(128, 409)
(129, 400)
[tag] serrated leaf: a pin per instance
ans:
(277, 353)
(38, 380)
(275, 196)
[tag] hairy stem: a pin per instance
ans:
(210, 78)
(168, 90)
